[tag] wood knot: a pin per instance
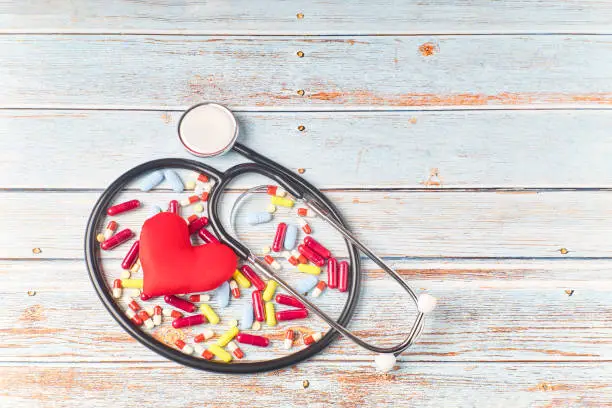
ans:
(300, 16)
(301, 128)
(428, 49)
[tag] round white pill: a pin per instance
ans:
(384, 362)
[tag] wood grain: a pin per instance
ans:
(322, 17)
(510, 311)
(159, 72)
(394, 224)
(338, 384)
(465, 149)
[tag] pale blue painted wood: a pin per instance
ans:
(337, 150)
(513, 311)
(319, 17)
(394, 224)
(336, 73)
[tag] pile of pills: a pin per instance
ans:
(185, 321)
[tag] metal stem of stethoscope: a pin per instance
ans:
(266, 271)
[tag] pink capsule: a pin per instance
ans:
(189, 321)
(258, 306)
(311, 255)
(289, 301)
(180, 303)
(197, 224)
(123, 207)
(279, 238)
(343, 269)
(117, 239)
(250, 274)
(332, 273)
(253, 340)
(131, 256)
(207, 236)
(291, 314)
(173, 207)
(311, 243)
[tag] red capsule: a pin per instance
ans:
(250, 274)
(173, 207)
(204, 196)
(137, 321)
(312, 338)
(311, 255)
(192, 218)
(207, 236)
(289, 301)
(134, 306)
(258, 306)
(203, 178)
(343, 270)
(189, 321)
(123, 207)
(316, 246)
(253, 340)
(302, 259)
(117, 239)
(293, 260)
(179, 303)
(145, 297)
(332, 273)
(292, 314)
(175, 314)
(276, 191)
(131, 256)
(208, 355)
(279, 238)
(197, 224)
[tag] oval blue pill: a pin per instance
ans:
(246, 322)
(173, 179)
(152, 180)
(255, 218)
(306, 284)
(222, 293)
(290, 237)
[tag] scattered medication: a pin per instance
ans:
(197, 224)
(157, 315)
(235, 289)
(174, 314)
(255, 218)
(290, 237)
(152, 180)
(222, 294)
(133, 317)
(209, 313)
(253, 340)
(110, 229)
(276, 191)
(235, 350)
(250, 274)
(134, 305)
(306, 284)
(256, 326)
(292, 314)
(258, 306)
(117, 288)
(189, 321)
(202, 178)
(288, 300)
(173, 207)
(206, 335)
(318, 289)
(173, 179)
(220, 353)
(272, 262)
(312, 338)
(271, 208)
(268, 293)
(123, 207)
(184, 347)
(281, 201)
(199, 298)
(144, 297)
(305, 226)
(100, 238)
(289, 336)
(198, 208)
(309, 269)
(131, 283)
(279, 238)
(189, 200)
(306, 212)
(136, 267)
(146, 319)
(207, 236)
(343, 269)
(246, 320)
(242, 281)
(311, 255)
(180, 303)
(227, 337)
(131, 256)
(317, 247)
(270, 314)
(190, 185)
(117, 239)
(332, 273)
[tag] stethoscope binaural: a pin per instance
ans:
(208, 130)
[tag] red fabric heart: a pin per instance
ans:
(171, 265)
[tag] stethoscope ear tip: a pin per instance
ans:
(385, 362)
(426, 303)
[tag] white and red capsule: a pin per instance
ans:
(235, 289)
(117, 288)
(235, 350)
(289, 336)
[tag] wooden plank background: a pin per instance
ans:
(467, 142)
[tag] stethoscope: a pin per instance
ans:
(208, 130)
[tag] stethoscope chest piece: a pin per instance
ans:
(208, 129)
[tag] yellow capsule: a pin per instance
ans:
(131, 283)
(209, 313)
(220, 353)
(281, 201)
(227, 337)
(241, 280)
(269, 291)
(270, 314)
(310, 269)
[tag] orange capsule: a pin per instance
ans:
(233, 347)
(289, 336)
(192, 218)
(305, 226)
(146, 319)
(203, 178)
(204, 196)
(208, 355)
(312, 338)
(190, 200)
(134, 306)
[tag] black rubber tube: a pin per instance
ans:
(104, 292)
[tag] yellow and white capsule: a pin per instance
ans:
(281, 201)
(209, 313)
(268, 293)
(136, 267)
(227, 337)
(220, 353)
(270, 314)
(309, 269)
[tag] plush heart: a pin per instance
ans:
(171, 265)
